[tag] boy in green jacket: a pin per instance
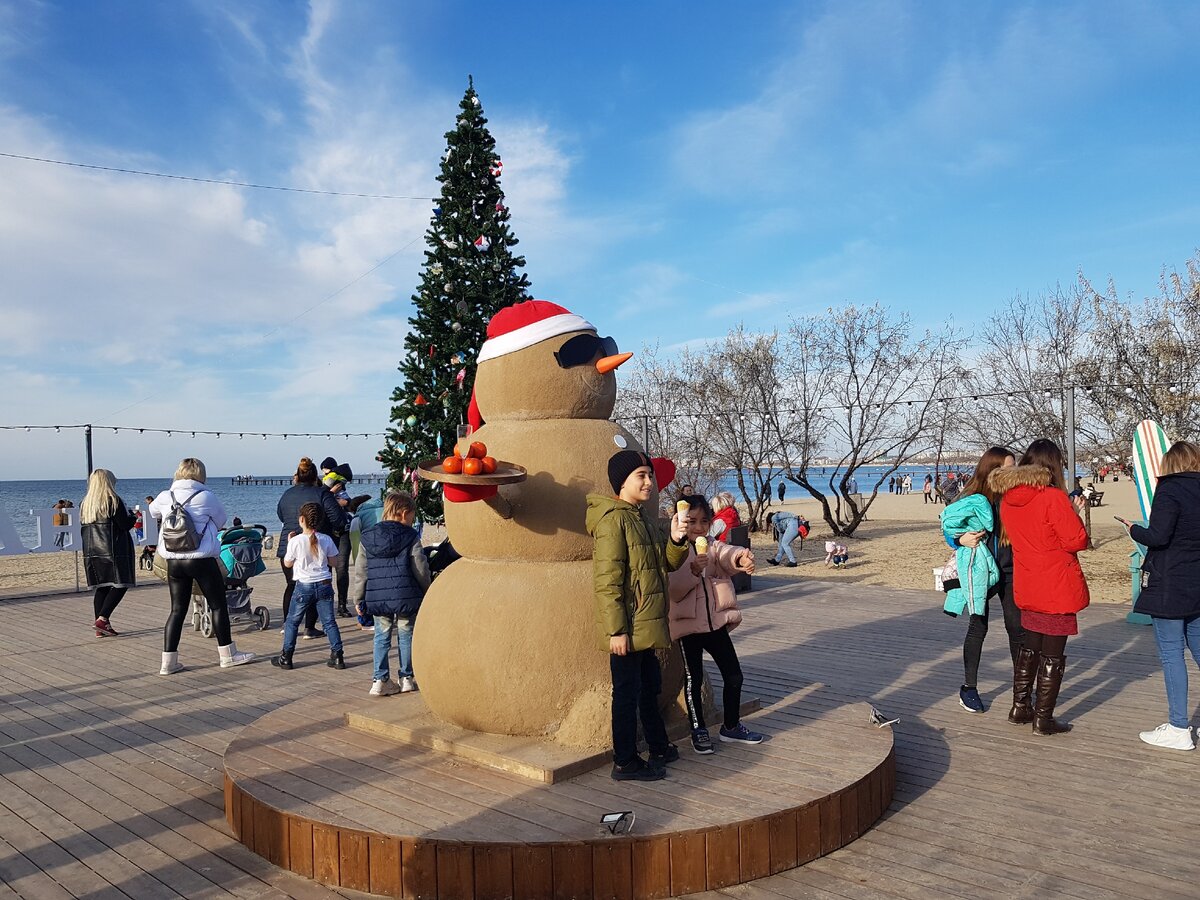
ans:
(630, 561)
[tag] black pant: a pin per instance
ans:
(636, 683)
(106, 600)
(1046, 644)
(720, 648)
(977, 629)
(310, 614)
(206, 573)
(342, 575)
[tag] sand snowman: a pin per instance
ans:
(507, 640)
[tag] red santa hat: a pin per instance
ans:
(525, 324)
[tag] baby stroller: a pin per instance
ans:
(241, 560)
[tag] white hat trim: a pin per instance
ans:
(533, 333)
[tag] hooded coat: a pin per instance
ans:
(977, 569)
(391, 571)
(630, 563)
(1172, 542)
(288, 510)
(1046, 533)
(108, 550)
(707, 602)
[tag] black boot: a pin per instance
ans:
(335, 660)
(343, 612)
(1024, 672)
(1049, 680)
(283, 660)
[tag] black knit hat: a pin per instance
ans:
(622, 464)
(329, 463)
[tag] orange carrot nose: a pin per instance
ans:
(610, 363)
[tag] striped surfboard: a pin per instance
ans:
(1149, 445)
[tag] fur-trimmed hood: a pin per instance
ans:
(1001, 481)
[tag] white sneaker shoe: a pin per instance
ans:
(408, 685)
(1167, 735)
(384, 688)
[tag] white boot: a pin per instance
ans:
(170, 664)
(231, 657)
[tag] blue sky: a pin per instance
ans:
(672, 169)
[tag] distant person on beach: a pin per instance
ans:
(908, 484)
(725, 516)
(312, 554)
(305, 489)
(782, 489)
(199, 566)
(61, 519)
(108, 562)
(971, 526)
(929, 489)
(1042, 523)
(892, 485)
(1171, 596)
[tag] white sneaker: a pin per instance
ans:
(408, 685)
(384, 688)
(1167, 735)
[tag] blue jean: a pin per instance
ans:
(403, 628)
(1171, 635)
(306, 596)
(791, 531)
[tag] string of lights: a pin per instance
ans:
(193, 432)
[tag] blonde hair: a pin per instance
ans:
(397, 503)
(1184, 456)
(191, 469)
(723, 500)
(101, 500)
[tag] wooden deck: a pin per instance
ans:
(111, 778)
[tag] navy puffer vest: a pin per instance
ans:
(392, 589)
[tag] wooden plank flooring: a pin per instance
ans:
(111, 780)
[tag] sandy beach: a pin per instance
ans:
(898, 546)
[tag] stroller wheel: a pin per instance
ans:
(206, 624)
(264, 617)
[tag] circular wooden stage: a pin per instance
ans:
(358, 811)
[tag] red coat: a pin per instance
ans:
(1046, 533)
(729, 515)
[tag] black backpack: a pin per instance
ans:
(178, 532)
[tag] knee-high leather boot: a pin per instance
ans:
(1024, 672)
(1049, 680)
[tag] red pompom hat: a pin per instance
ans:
(525, 324)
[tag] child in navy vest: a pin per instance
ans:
(391, 575)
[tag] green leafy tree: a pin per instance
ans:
(470, 272)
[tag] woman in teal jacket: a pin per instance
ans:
(972, 527)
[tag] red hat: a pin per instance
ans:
(525, 324)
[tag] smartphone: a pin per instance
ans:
(1119, 519)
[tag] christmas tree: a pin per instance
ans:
(470, 272)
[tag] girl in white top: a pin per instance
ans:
(311, 555)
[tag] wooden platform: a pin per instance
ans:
(111, 778)
(351, 809)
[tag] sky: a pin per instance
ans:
(673, 169)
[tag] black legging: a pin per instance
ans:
(180, 575)
(977, 629)
(310, 615)
(343, 568)
(1046, 644)
(106, 600)
(720, 648)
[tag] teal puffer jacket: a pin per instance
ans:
(977, 570)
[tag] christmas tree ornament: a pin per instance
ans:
(482, 243)
(437, 211)
(420, 401)
(446, 288)
(496, 266)
(439, 443)
(475, 100)
(456, 326)
(460, 377)
(461, 307)
(411, 421)
(456, 359)
(436, 269)
(450, 245)
(496, 169)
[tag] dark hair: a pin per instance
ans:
(313, 516)
(993, 458)
(696, 501)
(306, 472)
(1045, 453)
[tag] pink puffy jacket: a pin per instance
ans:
(707, 602)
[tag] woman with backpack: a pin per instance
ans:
(190, 516)
(105, 522)
(307, 488)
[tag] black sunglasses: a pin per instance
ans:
(583, 349)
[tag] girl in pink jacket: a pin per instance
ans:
(702, 612)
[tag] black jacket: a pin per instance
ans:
(295, 497)
(108, 549)
(1172, 543)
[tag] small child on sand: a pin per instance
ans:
(836, 554)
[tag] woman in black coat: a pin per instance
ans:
(1171, 595)
(306, 489)
(105, 524)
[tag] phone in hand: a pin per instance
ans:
(1122, 521)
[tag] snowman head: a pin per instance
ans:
(541, 361)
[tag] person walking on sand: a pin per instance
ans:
(928, 488)
(312, 554)
(786, 528)
(108, 563)
(971, 526)
(1171, 596)
(188, 496)
(1043, 525)
(306, 489)
(782, 489)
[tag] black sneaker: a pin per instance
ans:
(969, 699)
(311, 634)
(638, 770)
(701, 742)
(773, 561)
(670, 755)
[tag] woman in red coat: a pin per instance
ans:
(1042, 523)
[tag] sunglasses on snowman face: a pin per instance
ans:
(583, 349)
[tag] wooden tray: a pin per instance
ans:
(506, 473)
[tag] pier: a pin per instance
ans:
(286, 480)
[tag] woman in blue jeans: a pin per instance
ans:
(311, 555)
(1171, 596)
(787, 527)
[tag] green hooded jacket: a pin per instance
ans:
(630, 565)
